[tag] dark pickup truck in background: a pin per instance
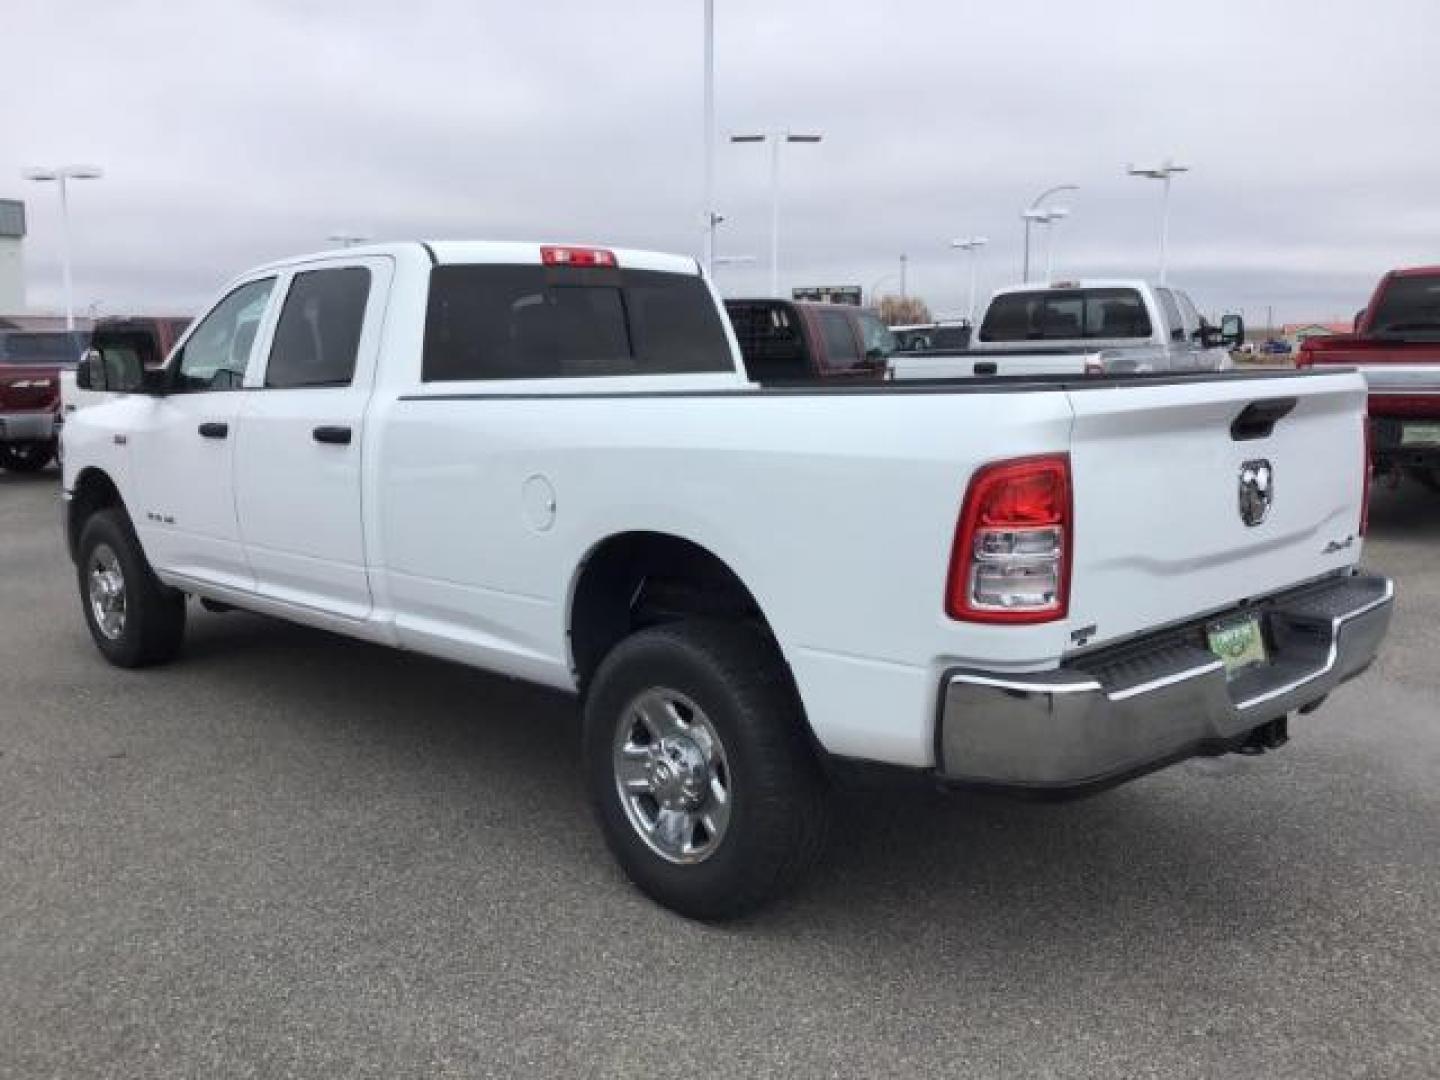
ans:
(1396, 344)
(801, 341)
(30, 365)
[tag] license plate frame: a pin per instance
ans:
(1238, 642)
(1420, 434)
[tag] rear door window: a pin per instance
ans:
(1174, 325)
(538, 322)
(318, 334)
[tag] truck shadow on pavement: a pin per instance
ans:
(1192, 845)
(1408, 510)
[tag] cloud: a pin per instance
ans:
(236, 133)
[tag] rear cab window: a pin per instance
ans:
(507, 321)
(1409, 308)
(771, 342)
(1066, 315)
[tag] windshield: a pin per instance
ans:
(1409, 305)
(42, 346)
(880, 340)
(1066, 315)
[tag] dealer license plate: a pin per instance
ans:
(1237, 642)
(1420, 435)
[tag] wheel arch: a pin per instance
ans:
(92, 492)
(632, 579)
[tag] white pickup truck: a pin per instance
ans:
(547, 462)
(1083, 328)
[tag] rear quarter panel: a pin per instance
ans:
(836, 509)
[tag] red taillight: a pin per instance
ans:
(577, 256)
(1011, 559)
(1366, 476)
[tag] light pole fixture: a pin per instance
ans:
(1163, 172)
(60, 174)
(776, 139)
(734, 260)
(971, 245)
(348, 239)
(1029, 215)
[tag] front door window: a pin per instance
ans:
(217, 353)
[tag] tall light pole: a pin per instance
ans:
(1163, 172)
(904, 261)
(1046, 217)
(712, 219)
(60, 174)
(1052, 217)
(972, 245)
(1029, 214)
(776, 139)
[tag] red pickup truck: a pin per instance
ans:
(30, 366)
(1396, 344)
(800, 341)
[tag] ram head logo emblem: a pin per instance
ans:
(1257, 491)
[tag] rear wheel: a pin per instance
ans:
(26, 457)
(134, 619)
(706, 788)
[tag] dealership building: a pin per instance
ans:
(12, 257)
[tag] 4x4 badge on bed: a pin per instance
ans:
(1257, 490)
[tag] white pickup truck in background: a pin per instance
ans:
(1083, 328)
(548, 462)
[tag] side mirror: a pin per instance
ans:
(1232, 331)
(1359, 315)
(116, 371)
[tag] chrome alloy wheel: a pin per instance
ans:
(106, 584)
(672, 775)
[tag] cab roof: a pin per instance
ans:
(523, 253)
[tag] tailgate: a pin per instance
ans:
(1160, 474)
(977, 362)
(28, 389)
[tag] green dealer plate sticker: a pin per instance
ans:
(1420, 435)
(1237, 642)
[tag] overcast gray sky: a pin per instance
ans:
(235, 132)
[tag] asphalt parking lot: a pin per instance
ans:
(294, 855)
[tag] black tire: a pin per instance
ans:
(778, 804)
(1425, 475)
(152, 623)
(26, 457)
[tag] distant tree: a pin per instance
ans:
(903, 310)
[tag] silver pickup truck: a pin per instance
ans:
(1082, 328)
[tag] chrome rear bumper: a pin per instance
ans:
(1125, 711)
(27, 426)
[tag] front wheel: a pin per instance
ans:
(26, 457)
(704, 783)
(134, 618)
